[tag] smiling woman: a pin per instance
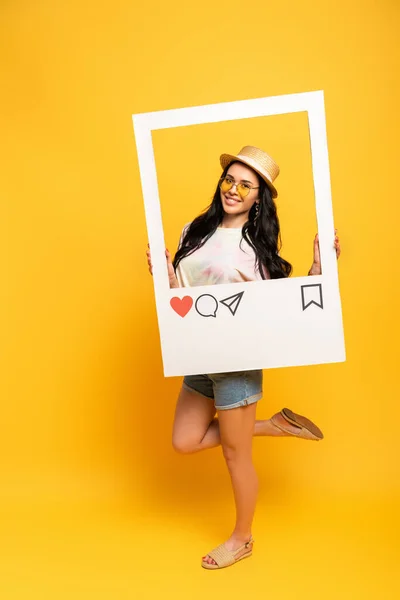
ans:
(237, 239)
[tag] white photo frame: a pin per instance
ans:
(255, 325)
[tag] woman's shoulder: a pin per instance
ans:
(183, 233)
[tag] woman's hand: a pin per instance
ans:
(173, 282)
(316, 266)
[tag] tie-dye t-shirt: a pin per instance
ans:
(222, 259)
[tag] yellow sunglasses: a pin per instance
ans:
(243, 189)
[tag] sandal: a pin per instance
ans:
(308, 430)
(224, 557)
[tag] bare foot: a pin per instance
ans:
(232, 544)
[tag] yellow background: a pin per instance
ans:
(94, 501)
(188, 170)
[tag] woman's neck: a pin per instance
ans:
(233, 221)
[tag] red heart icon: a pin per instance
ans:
(182, 305)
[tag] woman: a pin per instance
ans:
(236, 239)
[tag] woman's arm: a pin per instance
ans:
(316, 266)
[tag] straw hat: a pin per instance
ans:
(258, 160)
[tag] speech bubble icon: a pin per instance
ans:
(206, 305)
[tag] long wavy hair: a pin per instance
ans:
(262, 233)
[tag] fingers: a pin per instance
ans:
(167, 255)
(336, 244)
(316, 259)
(337, 247)
(149, 260)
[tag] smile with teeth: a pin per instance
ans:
(231, 201)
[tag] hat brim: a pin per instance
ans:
(225, 159)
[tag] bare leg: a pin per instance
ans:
(196, 428)
(193, 415)
(237, 427)
(212, 436)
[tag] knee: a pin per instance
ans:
(231, 453)
(183, 446)
(236, 455)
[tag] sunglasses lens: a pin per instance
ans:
(226, 185)
(243, 190)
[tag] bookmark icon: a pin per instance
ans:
(311, 296)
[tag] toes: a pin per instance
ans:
(209, 560)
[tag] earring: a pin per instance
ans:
(257, 209)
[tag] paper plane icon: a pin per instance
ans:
(232, 302)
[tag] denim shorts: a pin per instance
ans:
(228, 390)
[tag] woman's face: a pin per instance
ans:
(232, 203)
